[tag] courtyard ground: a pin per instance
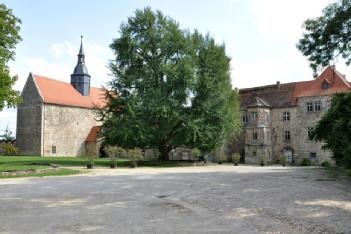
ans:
(211, 199)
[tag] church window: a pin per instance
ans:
(286, 116)
(309, 106)
(287, 135)
(254, 153)
(254, 136)
(53, 149)
(253, 115)
(317, 106)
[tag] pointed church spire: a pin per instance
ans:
(80, 79)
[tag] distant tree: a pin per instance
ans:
(334, 129)
(328, 36)
(170, 88)
(9, 37)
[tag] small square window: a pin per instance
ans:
(287, 135)
(309, 106)
(317, 106)
(254, 136)
(313, 155)
(286, 116)
(244, 119)
(53, 149)
(253, 115)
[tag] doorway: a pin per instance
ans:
(289, 154)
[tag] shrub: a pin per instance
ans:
(10, 149)
(263, 160)
(196, 153)
(113, 152)
(219, 156)
(236, 158)
(305, 162)
(325, 164)
(134, 155)
(283, 159)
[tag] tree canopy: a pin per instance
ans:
(170, 88)
(328, 36)
(334, 129)
(9, 37)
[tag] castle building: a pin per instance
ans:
(59, 118)
(277, 118)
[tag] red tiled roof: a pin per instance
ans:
(62, 93)
(93, 134)
(337, 83)
(285, 95)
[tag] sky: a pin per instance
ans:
(260, 37)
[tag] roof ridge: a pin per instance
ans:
(61, 81)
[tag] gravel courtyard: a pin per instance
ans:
(211, 199)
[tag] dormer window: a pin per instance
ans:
(325, 85)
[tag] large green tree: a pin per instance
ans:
(9, 37)
(328, 36)
(334, 129)
(170, 88)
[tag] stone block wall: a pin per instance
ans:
(66, 129)
(279, 126)
(29, 120)
(306, 120)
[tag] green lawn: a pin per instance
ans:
(61, 161)
(59, 172)
(78, 161)
(17, 167)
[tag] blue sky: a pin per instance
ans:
(260, 36)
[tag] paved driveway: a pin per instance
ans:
(212, 199)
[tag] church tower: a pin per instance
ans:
(80, 79)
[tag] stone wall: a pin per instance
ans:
(279, 126)
(29, 120)
(262, 147)
(305, 146)
(66, 129)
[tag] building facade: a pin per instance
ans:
(277, 118)
(59, 118)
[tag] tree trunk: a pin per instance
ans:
(164, 150)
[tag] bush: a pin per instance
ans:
(134, 155)
(305, 162)
(219, 156)
(10, 149)
(113, 152)
(236, 158)
(325, 164)
(283, 159)
(263, 160)
(196, 153)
